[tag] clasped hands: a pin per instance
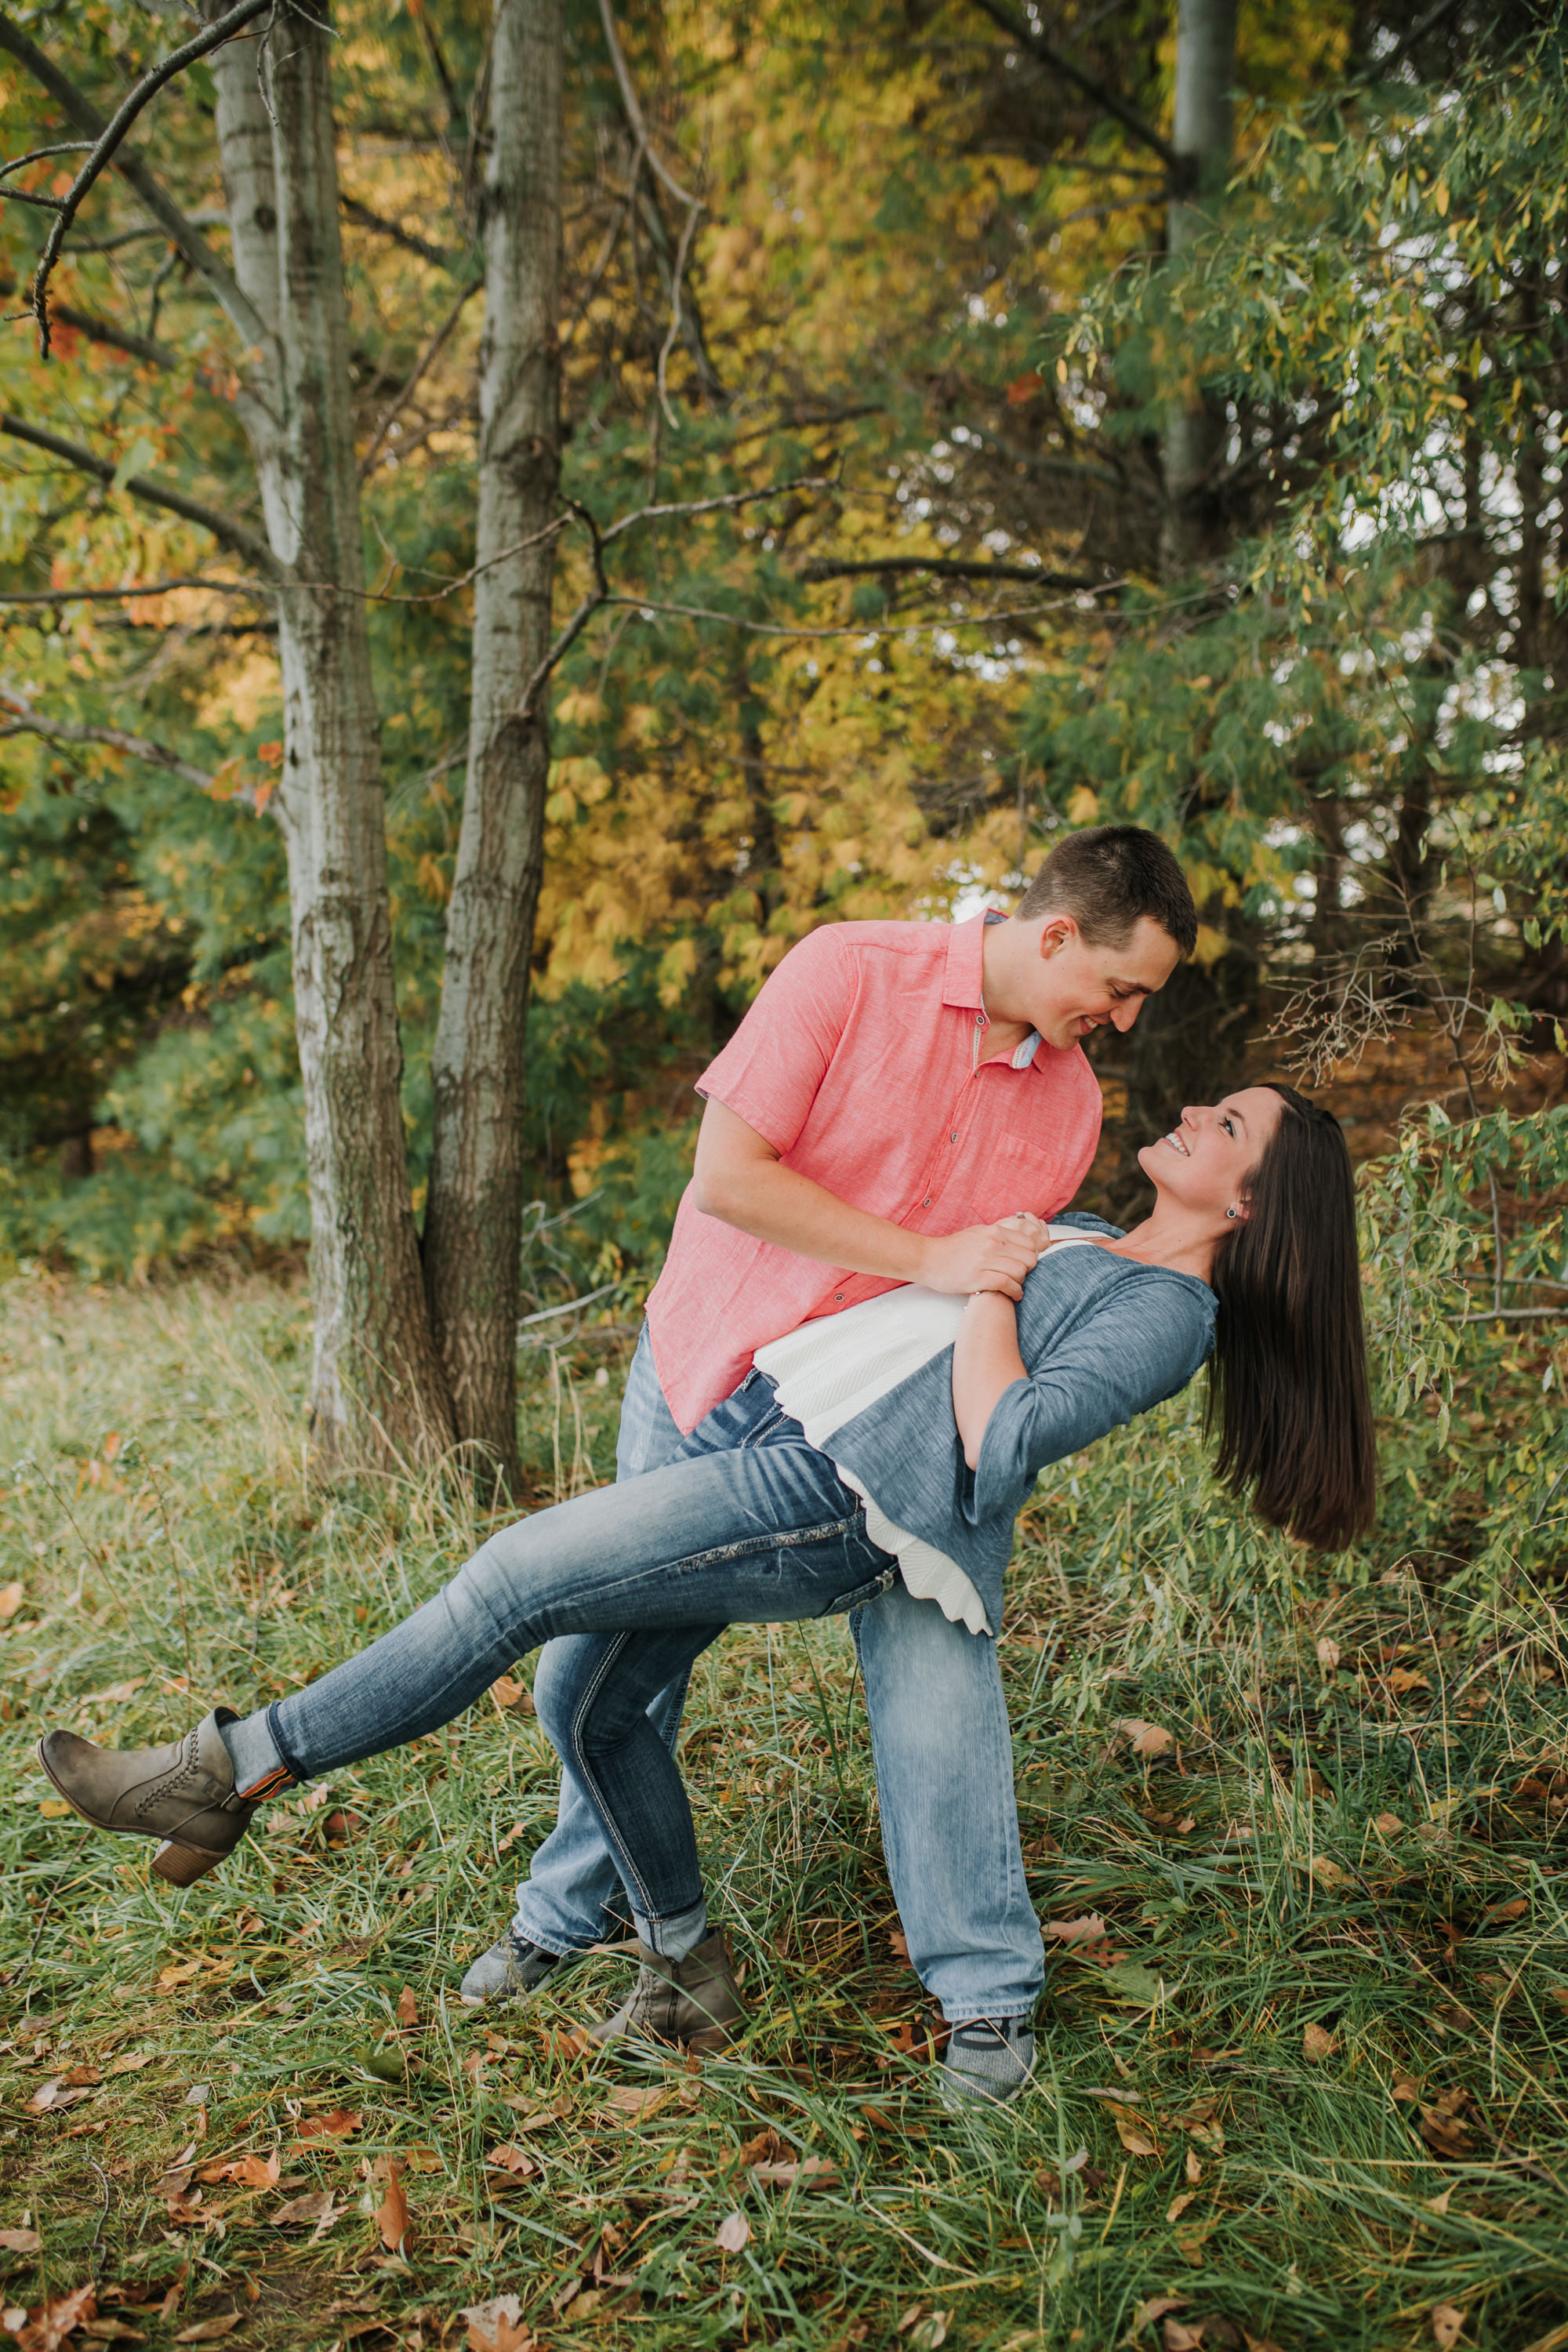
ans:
(992, 1258)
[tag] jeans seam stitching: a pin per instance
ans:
(625, 1860)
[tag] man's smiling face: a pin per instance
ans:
(1075, 989)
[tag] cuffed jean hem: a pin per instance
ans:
(967, 2015)
(545, 1940)
(290, 1764)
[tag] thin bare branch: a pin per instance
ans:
(422, 367)
(24, 720)
(113, 134)
(363, 217)
(944, 567)
(113, 595)
(634, 111)
(205, 217)
(677, 279)
(104, 330)
(1035, 45)
(181, 232)
(42, 154)
(227, 532)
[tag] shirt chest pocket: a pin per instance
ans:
(1021, 1173)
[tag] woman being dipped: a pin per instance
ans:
(896, 1441)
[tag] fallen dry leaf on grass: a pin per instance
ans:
(1388, 1825)
(811, 2172)
(1318, 2043)
(210, 2331)
(1442, 2128)
(767, 2146)
(1088, 1929)
(1499, 1911)
(1147, 1738)
(1326, 1873)
(1400, 1679)
(407, 2007)
(131, 2064)
(46, 2328)
(1446, 2320)
(312, 2207)
(1179, 2204)
(339, 2125)
(20, 2241)
(630, 2104)
(1409, 2088)
(1328, 1654)
(248, 2171)
(391, 2215)
(1135, 2131)
(496, 2325)
(10, 1600)
(50, 2097)
(506, 2158)
(731, 2234)
(1180, 2337)
(1155, 2308)
(1193, 2169)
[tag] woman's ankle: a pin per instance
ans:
(675, 1936)
(260, 1770)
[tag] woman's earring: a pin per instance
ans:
(1230, 1213)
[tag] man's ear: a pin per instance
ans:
(1057, 931)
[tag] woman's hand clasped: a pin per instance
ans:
(992, 1258)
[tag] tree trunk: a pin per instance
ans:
(1192, 530)
(377, 1385)
(1189, 1041)
(473, 1221)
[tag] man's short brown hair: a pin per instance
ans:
(1107, 877)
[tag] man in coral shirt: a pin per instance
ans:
(896, 1094)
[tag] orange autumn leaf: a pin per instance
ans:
(391, 2215)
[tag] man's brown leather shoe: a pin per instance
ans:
(694, 2002)
(182, 1794)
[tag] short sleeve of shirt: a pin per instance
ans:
(769, 1072)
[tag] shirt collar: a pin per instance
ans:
(962, 985)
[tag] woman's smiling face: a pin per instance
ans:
(1204, 1162)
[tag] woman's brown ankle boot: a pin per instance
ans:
(694, 2002)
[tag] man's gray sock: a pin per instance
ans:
(987, 2062)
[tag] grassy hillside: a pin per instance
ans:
(1300, 2060)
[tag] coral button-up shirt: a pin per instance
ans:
(862, 1062)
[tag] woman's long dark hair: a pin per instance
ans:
(1288, 1387)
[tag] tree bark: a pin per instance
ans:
(377, 1385)
(473, 1220)
(1192, 530)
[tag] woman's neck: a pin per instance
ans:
(1171, 1237)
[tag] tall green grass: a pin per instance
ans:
(1306, 2088)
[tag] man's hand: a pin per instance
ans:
(738, 1179)
(985, 1257)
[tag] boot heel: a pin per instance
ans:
(182, 1866)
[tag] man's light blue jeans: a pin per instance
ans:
(943, 1753)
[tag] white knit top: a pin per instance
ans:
(831, 1369)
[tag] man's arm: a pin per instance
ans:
(739, 1179)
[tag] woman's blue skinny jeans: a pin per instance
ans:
(653, 1569)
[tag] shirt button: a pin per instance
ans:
(926, 1203)
(953, 1137)
(839, 1299)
